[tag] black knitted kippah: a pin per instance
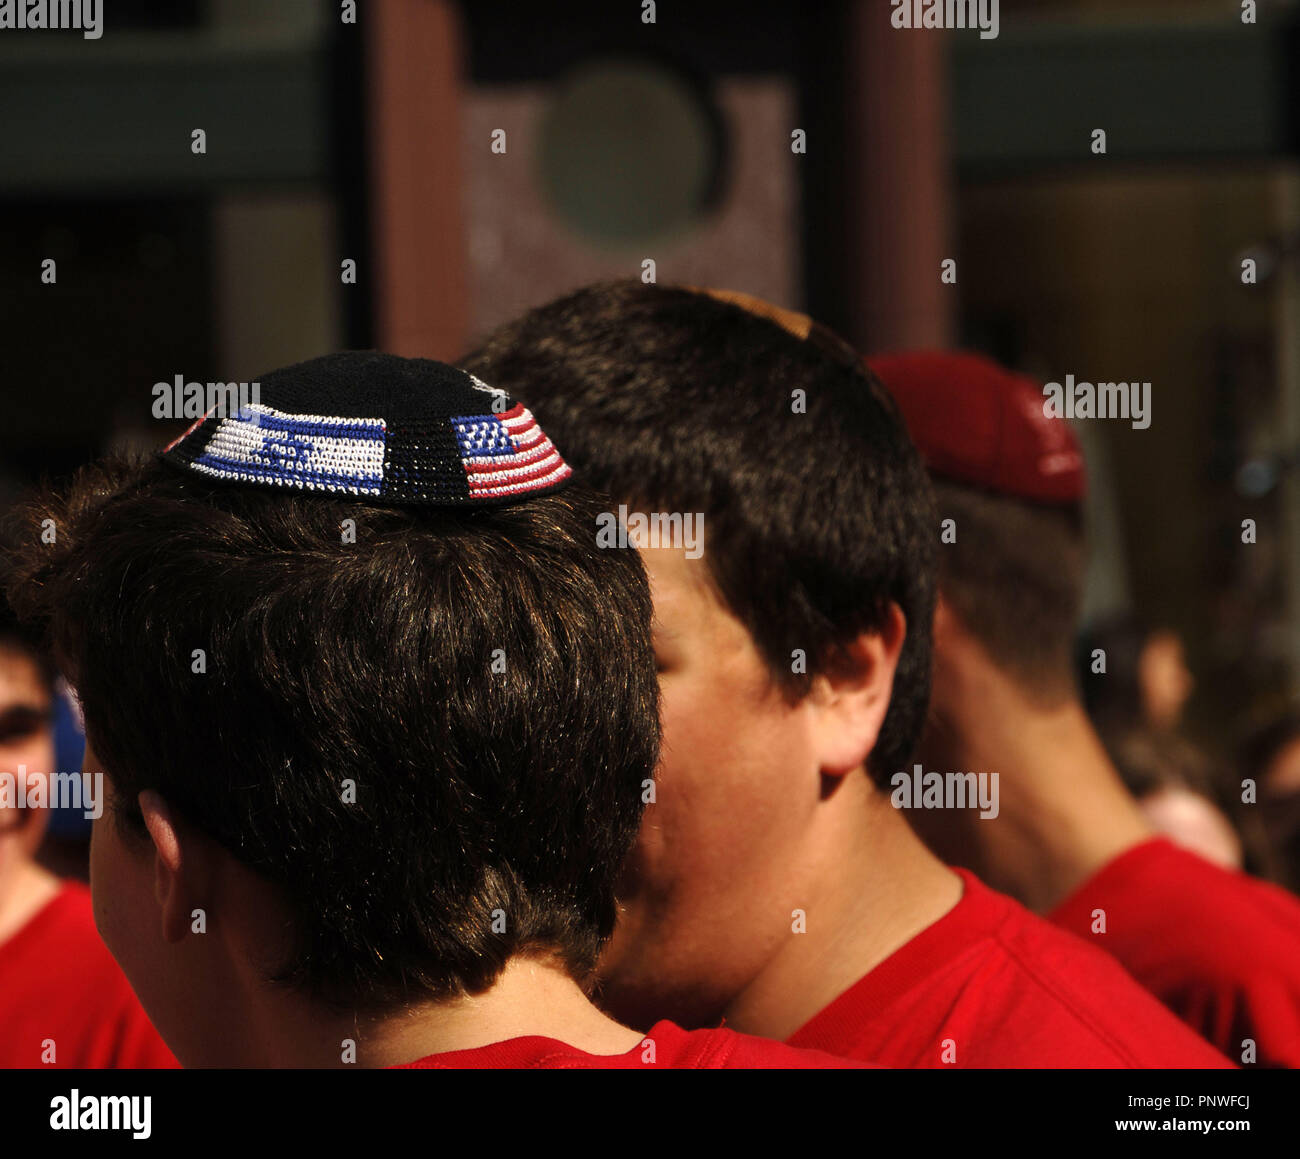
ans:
(400, 430)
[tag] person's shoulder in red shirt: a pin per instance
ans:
(666, 1046)
(1219, 948)
(63, 1001)
(992, 985)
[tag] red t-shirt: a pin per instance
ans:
(58, 981)
(991, 985)
(1220, 949)
(674, 1049)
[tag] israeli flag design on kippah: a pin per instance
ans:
(261, 444)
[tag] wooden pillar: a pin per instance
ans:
(414, 53)
(897, 172)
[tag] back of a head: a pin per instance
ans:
(817, 511)
(407, 702)
(1011, 480)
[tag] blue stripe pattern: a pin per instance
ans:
(308, 452)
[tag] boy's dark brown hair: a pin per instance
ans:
(1014, 577)
(817, 511)
(482, 681)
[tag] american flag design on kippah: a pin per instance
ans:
(508, 453)
(395, 430)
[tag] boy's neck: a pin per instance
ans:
(531, 998)
(877, 888)
(1064, 812)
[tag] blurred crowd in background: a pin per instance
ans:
(797, 155)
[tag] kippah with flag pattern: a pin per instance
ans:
(400, 430)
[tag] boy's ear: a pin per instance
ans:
(173, 873)
(851, 697)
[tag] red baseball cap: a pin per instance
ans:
(977, 422)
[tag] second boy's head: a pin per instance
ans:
(793, 651)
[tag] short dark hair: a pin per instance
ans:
(1014, 577)
(818, 512)
(486, 780)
